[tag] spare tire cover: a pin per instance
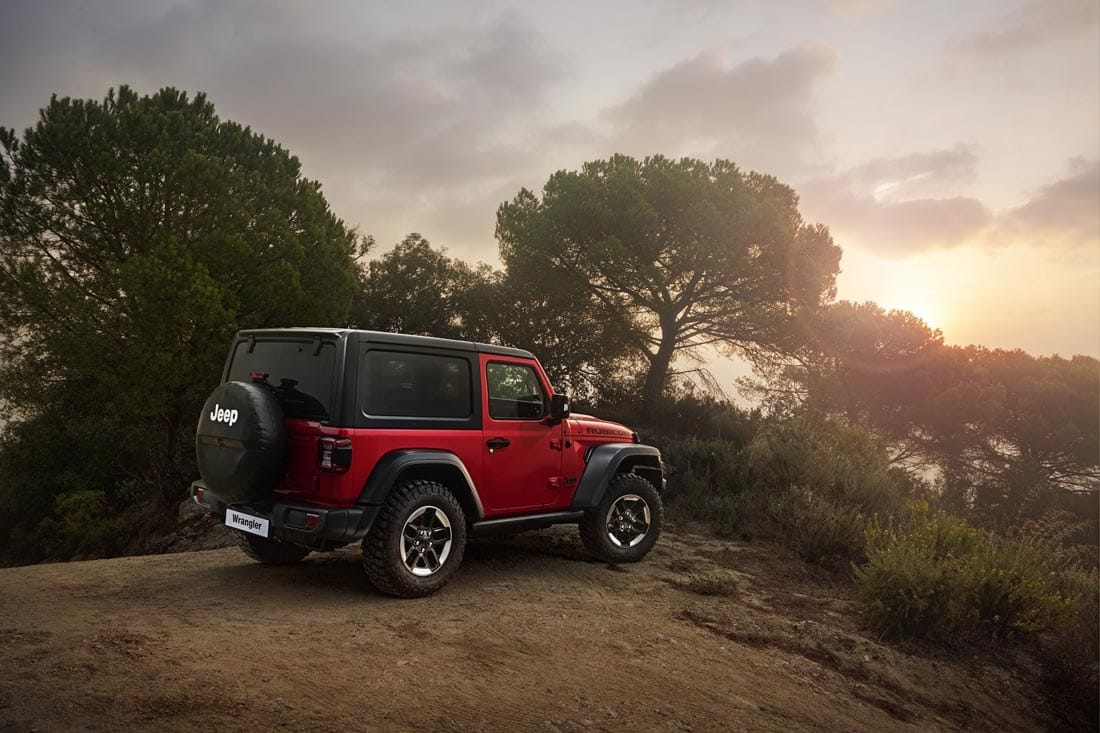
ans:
(241, 442)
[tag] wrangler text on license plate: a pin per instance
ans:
(247, 522)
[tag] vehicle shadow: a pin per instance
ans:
(338, 576)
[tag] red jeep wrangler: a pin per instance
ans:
(319, 437)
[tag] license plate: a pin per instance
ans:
(247, 522)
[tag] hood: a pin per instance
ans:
(593, 428)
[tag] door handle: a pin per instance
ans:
(495, 443)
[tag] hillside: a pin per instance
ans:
(528, 635)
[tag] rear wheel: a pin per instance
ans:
(626, 523)
(417, 540)
(270, 552)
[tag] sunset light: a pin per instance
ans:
(632, 365)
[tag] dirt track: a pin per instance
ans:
(528, 635)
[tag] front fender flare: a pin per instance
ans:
(604, 462)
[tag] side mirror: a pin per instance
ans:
(559, 407)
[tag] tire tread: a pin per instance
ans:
(594, 534)
(379, 560)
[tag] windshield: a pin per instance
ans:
(302, 375)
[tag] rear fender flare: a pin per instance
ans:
(435, 465)
(608, 460)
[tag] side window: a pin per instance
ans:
(395, 384)
(514, 392)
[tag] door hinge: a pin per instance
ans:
(554, 483)
(555, 444)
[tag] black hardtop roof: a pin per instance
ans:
(396, 339)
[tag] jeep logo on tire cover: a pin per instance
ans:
(223, 414)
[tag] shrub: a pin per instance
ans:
(705, 478)
(819, 529)
(934, 576)
(1071, 666)
(1013, 589)
(813, 485)
(915, 577)
(837, 461)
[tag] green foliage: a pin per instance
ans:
(815, 483)
(934, 576)
(839, 461)
(821, 530)
(688, 412)
(672, 255)
(808, 485)
(416, 289)
(1071, 658)
(706, 478)
(136, 235)
(1013, 436)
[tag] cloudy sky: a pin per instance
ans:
(953, 148)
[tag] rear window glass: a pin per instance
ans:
(398, 384)
(302, 376)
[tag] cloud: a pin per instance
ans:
(1036, 22)
(402, 108)
(856, 10)
(896, 206)
(914, 174)
(759, 112)
(916, 203)
(1063, 213)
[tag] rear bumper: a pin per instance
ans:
(290, 521)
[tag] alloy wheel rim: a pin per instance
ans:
(628, 521)
(426, 541)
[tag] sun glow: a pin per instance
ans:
(923, 304)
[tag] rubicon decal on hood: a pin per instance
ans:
(607, 431)
(223, 414)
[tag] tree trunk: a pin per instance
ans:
(658, 372)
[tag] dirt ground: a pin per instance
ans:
(529, 635)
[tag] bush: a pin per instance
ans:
(934, 576)
(705, 478)
(1071, 666)
(807, 484)
(814, 484)
(836, 461)
(819, 529)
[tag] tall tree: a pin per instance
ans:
(415, 288)
(676, 254)
(1013, 435)
(136, 235)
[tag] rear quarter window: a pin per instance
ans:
(302, 376)
(401, 384)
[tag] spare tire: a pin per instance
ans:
(240, 442)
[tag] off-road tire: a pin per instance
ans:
(385, 567)
(270, 552)
(593, 527)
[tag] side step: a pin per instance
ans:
(527, 521)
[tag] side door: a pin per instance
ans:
(521, 466)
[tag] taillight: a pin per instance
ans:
(334, 454)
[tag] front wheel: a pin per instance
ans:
(626, 523)
(417, 540)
